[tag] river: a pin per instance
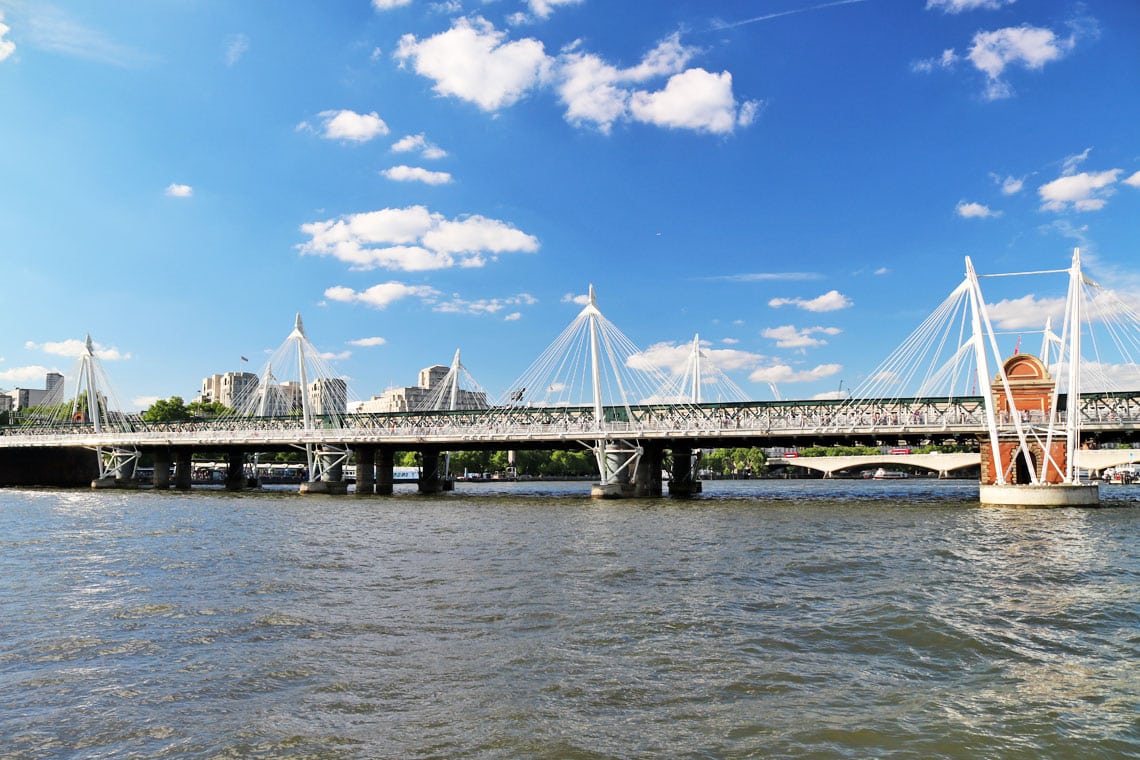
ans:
(787, 619)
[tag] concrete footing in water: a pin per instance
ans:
(1040, 496)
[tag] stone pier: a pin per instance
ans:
(183, 468)
(161, 479)
(365, 457)
(235, 471)
(385, 462)
(683, 480)
(647, 476)
(431, 478)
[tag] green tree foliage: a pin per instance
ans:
(739, 461)
(167, 410)
(207, 409)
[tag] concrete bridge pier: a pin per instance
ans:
(183, 468)
(161, 478)
(332, 481)
(431, 475)
(235, 470)
(683, 480)
(365, 457)
(385, 463)
(647, 476)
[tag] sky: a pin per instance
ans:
(797, 182)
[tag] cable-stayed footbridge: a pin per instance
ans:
(593, 389)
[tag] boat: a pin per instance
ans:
(882, 474)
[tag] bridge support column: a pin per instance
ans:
(332, 474)
(431, 476)
(647, 476)
(385, 462)
(683, 479)
(161, 479)
(365, 470)
(235, 471)
(183, 469)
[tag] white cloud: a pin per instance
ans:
(944, 61)
(1009, 185)
(1133, 181)
(543, 8)
(472, 61)
(382, 295)
(832, 300)
(882, 271)
(330, 356)
(7, 47)
(47, 27)
(1026, 312)
(694, 99)
(788, 336)
(581, 299)
(387, 5)
(673, 357)
(1087, 191)
(410, 143)
(1028, 46)
(1070, 164)
(174, 190)
(413, 239)
(729, 341)
(457, 305)
(782, 373)
(352, 126)
(416, 174)
(367, 342)
(957, 6)
(971, 210)
(75, 348)
(236, 47)
(513, 316)
(30, 374)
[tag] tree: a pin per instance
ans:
(206, 408)
(167, 410)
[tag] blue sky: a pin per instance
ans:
(796, 181)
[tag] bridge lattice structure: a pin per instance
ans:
(593, 389)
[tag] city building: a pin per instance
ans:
(231, 389)
(51, 394)
(415, 398)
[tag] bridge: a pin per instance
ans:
(591, 390)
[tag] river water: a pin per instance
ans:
(797, 619)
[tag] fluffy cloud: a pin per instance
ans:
(17, 375)
(411, 143)
(832, 300)
(673, 357)
(387, 5)
(413, 239)
(1028, 46)
(381, 295)
(788, 336)
(75, 348)
(580, 299)
(973, 210)
(7, 47)
(957, 6)
(543, 8)
(1133, 181)
(351, 126)
(367, 342)
(599, 94)
(416, 174)
(1086, 191)
(474, 62)
(174, 190)
(782, 373)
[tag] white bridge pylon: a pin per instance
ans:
(955, 353)
(297, 382)
(93, 402)
(592, 367)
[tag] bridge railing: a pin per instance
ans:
(914, 416)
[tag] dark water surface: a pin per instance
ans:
(772, 619)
